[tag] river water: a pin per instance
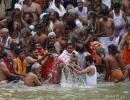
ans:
(102, 91)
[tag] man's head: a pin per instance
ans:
(4, 32)
(105, 14)
(80, 3)
(101, 52)
(70, 47)
(52, 37)
(112, 49)
(22, 55)
(74, 56)
(57, 3)
(117, 7)
(8, 56)
(36, 68)
(80, 47)
(89, 60)
(25, 32)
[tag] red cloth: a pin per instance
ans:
(41, 51)
(10, 67)
(56, 64)
(47, 68)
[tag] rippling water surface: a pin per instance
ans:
(103, 91)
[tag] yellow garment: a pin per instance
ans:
(21, 66)
(116, 75)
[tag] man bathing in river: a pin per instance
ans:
(90, 71)
(32, 78)
(115, 68)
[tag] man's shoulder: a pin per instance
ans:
(31, 74)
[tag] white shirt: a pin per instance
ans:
(81, 13)
(92, 80)
(107, 3)
(60, 11)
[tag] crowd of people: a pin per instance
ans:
(41, 39)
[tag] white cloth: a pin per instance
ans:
(92, 80)
(118, 20)
(105, 41)
(60, 11)
(18, 6)
(65, 57)
(107, 3)
(81, 13)
(78, 23)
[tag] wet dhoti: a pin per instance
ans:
(116, 74)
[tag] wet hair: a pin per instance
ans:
(89, 58)
(38, 27)
(105, 12)
(112, 49)
(79, 49)
(117, 5)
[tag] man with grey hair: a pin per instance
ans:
(5, 39)
(33, 77)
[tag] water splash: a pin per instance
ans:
(71, 79)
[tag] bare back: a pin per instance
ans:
(31, 80)
(112, 63)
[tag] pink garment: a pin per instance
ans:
(65, 57)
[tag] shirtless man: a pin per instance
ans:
(105, 29)
(4, 72)
(32, 78)
(32, 7)
(114, 64)
(126, 9)
(39, 37)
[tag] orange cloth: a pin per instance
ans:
(116, 75)
(126, 56)
(21, 66)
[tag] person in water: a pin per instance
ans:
(32, 78)
(90, 71)
(114, 65)
(5, 73)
